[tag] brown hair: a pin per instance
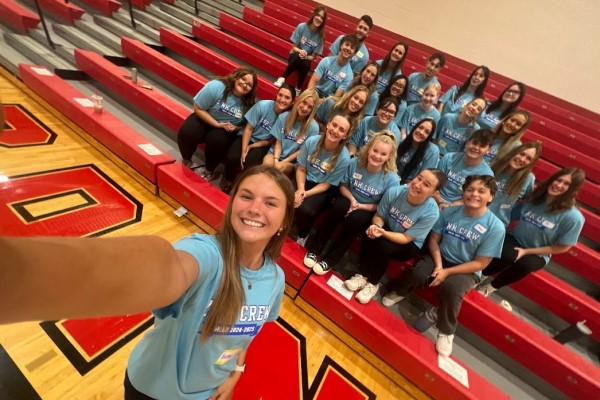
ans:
(509, 143)
(249, 98)
(565, 200)
(321, 28)
(340, 147)
(230, 297)
(517, 178)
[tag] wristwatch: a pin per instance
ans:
(240, 368)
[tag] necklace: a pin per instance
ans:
(249, 285)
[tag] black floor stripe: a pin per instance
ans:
(13, 384)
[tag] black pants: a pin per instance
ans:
(351, 226)
(132, 393)
(234, 154)
(376, 253)
(450, 294)
(297, 64)
(509, 270)
(306, 215)
(194, 131)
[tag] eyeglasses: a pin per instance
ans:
(388, 111)
(513, 92)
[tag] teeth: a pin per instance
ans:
(252, 223)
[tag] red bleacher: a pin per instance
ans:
(104, 127)
(66, 12)
(17, 17)
(106, 7)
(157, 105)
(164, 66)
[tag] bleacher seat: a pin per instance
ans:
(106, 7)
(104, 127)
(18, 17)
(66, 12)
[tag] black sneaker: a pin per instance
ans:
(310, 260)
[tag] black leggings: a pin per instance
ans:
(351, 226)
(306, 215)
(508, 270)
(297, 64)
(194, 131)
(376, 253)
(132, 393)
(234, 154)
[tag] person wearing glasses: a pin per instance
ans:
(417, 81)
(397, 89)
(507, 102)
(425, 108)
(219, 109)
(382, 120)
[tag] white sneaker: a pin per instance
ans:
(357, 282)
(443, 344)
(279, 82)
(486, 289)
(367, 293)
(310, 259)
(391, 298)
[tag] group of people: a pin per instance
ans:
(364, 152)
(381, 156)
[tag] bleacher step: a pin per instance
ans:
(83, 41)
(101, 34)
(140, 25)
(230, 7)
(123, 29)
(202, 7)
(157, 18)
(38, 53)
(185, 13)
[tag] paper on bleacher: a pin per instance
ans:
(454, 369)
(338, 285)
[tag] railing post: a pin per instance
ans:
(41, 15)
(131, 14)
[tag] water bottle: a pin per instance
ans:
(134, 75)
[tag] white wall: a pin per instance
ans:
(552, 45)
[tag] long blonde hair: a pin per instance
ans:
(517, 178)
(340, 148)
(341, 106)
(230, 296)
(386, 137)
(509, 143)
(292, 117)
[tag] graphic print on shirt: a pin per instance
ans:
(401, 218)
(251, 318)
(232, 111)
(538, 221)
(464, 234)
(362, 187)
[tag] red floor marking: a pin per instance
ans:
(24, 129)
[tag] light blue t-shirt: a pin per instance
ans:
(489, 119)
(170, 362)
(464, 237)
(385, 77)
(307, 40)
(452, 135)
(402, 217)
(332, 76)
(416, 86)
(455, 169)
(538, 228)
(289, 143)
(372, 102)
(261, 116)
(323, 112)
(319, 169)
(368, 188)
(209, 99)
(360, 58)
(414, 113)
(402, 106)
(490, 155)
(430, 160)
(503, 205)
(453, 105)
(367, 127)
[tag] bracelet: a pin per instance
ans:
(240, 368)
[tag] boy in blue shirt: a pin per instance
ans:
(462, 243)
(361, 57)
(334, 75)
(418, 80)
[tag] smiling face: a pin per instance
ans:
(378, 154)
(397, 53)
(422, 186)
(243, 85)
(432, 67)
(337, 129)
(477, 196)
(347, 51)
(475, 150)
(318, 19)
(560, 185)
(257, 210)
(522, 159)
(386, 113)
(474, 109)
(513, 124)
(357, 101)
(305, 107)
(362, 30)
(422, 131)
(368, 75)
(283, 101)
(429, 98)
(398, 87)
(477, 78)
(511, 94)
